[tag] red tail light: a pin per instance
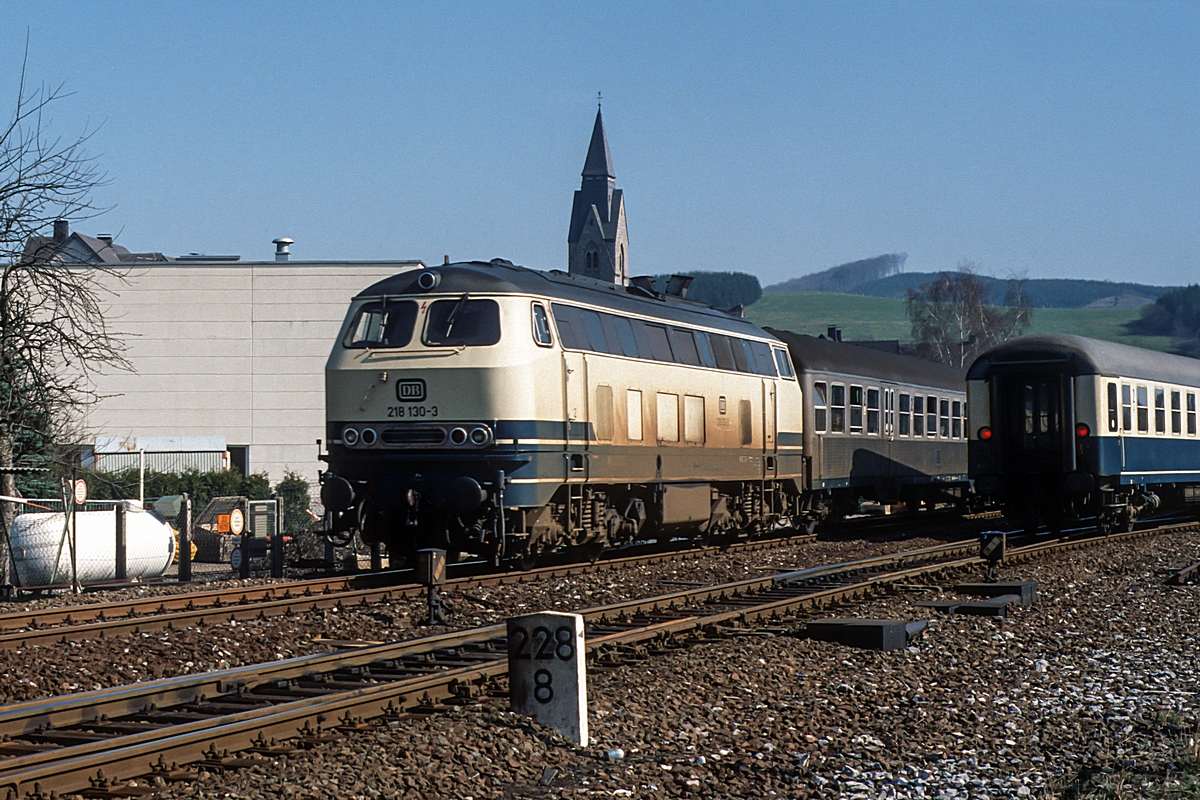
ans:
(1082, 430)
(985, 433)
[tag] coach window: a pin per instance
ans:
(633, 415)
(944, 416)
(1160, 410)
(1126, 407)
(856, 409)
(784, 363)
(693, 419)
(820, 407)
(837, 408)
(1191, 413)
(905, 414)
(541, 326)
(872, 411)
(1113, 412)
(1143, 410)
(931, 416)
(1176, 413)
(918, 415)
(956, 420)
(668, 417)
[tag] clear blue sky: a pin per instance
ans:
(1060, 138)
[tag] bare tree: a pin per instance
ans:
(953, 320)
(53, 335)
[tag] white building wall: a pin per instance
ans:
(230, 349)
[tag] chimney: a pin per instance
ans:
(282, 248)
(833, 334)
(62, 231)
(106, 238)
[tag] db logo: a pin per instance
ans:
(410, 391)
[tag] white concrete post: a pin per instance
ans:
(547, 672)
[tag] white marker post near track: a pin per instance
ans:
(547, 673)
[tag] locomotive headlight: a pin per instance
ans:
(458, 436)
(985, 433)
(368, 436)
(480, 437)
(1082, 430)
(350, 437)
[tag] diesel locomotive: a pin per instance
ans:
(486, 408)
(1066, 427)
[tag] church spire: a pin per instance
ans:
(598, 163)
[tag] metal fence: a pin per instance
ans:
(179, 461)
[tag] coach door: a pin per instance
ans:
(1034, 414)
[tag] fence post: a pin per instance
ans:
(122, 552)
(277, 541)
(185, 540)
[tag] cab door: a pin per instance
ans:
(575, 415)
(770, 461)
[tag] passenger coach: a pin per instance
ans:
(1065, 426)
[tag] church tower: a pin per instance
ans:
(597, 243)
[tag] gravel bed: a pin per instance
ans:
(61, 668)
(1093, 692)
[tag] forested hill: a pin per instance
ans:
(1042, 292)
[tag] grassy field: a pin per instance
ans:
(883, 318)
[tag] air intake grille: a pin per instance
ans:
(413, 436)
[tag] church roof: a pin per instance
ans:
(599, 161)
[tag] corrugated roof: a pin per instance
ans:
(1084, 356)
(813, 354)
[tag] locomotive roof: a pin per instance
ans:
(813, 354)
(503, 277)
(1089, 357)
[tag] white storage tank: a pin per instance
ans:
(37, 539)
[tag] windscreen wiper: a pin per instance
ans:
(454, 315)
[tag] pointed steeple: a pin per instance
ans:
(599, 162)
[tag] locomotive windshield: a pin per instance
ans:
(463, 322)
(383, 324)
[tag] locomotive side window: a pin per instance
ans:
(660, 348)
(784, 363)
(603, 420)
(668, 417)
(595, 332)
(1160, 410)
(905, 414)
(931, 416)
(872, 411)
(1126, 407)
(856, 409)
(1191, 414)
(956, 420)
(705, 347)
(918, 415)
(763, 364)
(738, 347)
(1176, 413)
(820, 408)
(541, 326)
(611, 335)
(570, 326)
(629, 344)
(746, 422)
(837, 408)
(685, 347)
(383, 324)
(1113, 412)
(462, 322)
(633, 414)
(944, 416)
(1143, 410)
(723, 352)
(693, 419)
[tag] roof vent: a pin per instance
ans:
(833, 334)
(677, 285)
(643, 284)
(283, 246)
(105, 237)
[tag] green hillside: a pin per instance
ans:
(884, 318)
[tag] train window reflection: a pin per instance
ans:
(872, 411)
(723, 352)
(1113, 411)
(705, 347)
(463, 322)
(931, 416)
(1191, 414)
(541, 326)
(1126, 407)
(837, 408)
(918, 415)
(1027, 400)
(784, 363)
(660, 348)
(1160, 410)
(820, 409)
(1043, 390)
(905, 414)
(944, 427)
(1176, 413)
(956, 420)
(383, 324)
(856, 409)
(1143, 410)
(685, 347)
(625, 334)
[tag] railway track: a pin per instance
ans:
(174, 727)
(124, 617)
